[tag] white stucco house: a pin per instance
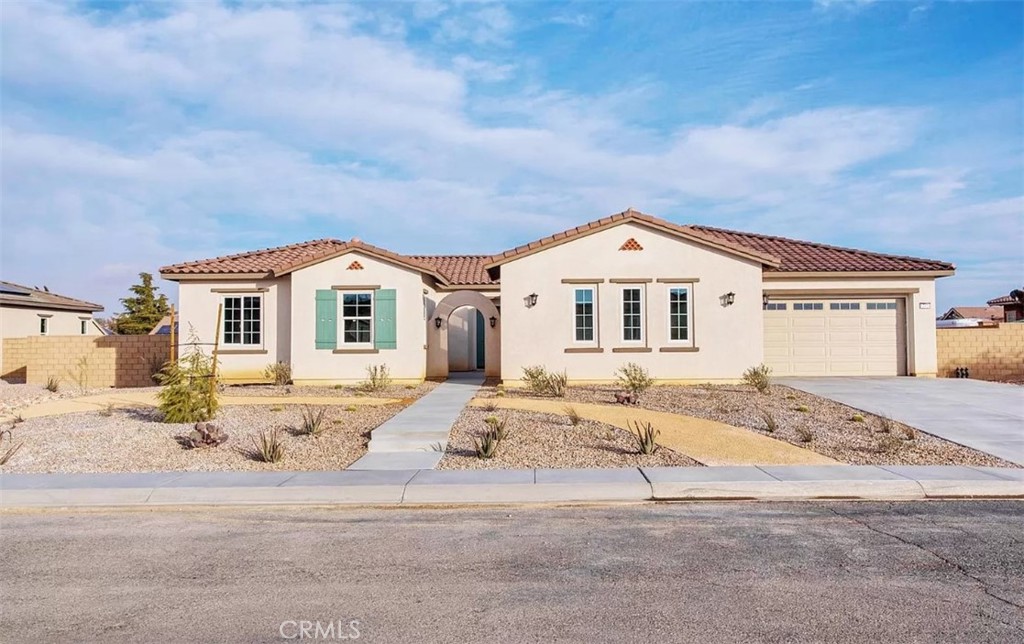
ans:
(690, 303)
(27, 311)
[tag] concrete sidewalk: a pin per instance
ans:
(415, 438)
(426, 487)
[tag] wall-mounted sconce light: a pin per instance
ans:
(437, 322)
(533, 299)
(494, 321)
(730, 298)
(764, 300)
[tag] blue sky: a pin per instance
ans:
(140, 135)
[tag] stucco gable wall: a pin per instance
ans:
(407, 362)
(729, 338)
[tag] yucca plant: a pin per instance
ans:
(6, 455)
(497, 425)
(770, 424)
(645, 437)
(313, 420)
(269, 447)
(487, 444)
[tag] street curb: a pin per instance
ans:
(475, 487)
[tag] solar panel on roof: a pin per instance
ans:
(10, 289)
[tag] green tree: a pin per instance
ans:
(142, 310)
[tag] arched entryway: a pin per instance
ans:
(479, 314)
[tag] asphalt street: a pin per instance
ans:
(702, 572)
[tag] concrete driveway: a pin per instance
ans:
(988, 416)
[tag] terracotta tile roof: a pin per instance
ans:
(460, 269)
(282, 260)
(18, 295)
(627, 216)
(978, 312)
(999, 301)
(804, 256)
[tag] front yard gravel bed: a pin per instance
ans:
(133, 440)
(833, 431)
(537, 440)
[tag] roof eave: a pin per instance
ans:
(363, 248)
(83, 306)
(181, 277)
(779, 275)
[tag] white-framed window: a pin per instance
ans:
(844, 306)
(775, 306)
(44, 326)
(584, 314)
(243, 320)
(632, 314)
(808, 306)
(357, 317)
(679, 318)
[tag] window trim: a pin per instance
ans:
(593, 342)
(342, 344)
(688, 342)
(622, 314)
(224, 321)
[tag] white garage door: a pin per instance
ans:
(854, 337)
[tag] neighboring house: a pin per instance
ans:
(163, 327)
(1013, 310)
(28, 311)
(689, 303)
(986, 313)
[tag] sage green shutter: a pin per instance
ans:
(326, 319)
(385, 332)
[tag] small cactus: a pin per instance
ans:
(857, 418)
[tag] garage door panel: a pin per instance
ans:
(841, 342)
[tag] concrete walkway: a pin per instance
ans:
(416, 437)
(705, 441)
(424, 486)
(988, 416)
(125, 399)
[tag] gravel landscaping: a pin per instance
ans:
(830, 426)
(15, 396)
(133, 440)
(538, 440)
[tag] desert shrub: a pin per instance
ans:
(539, 381)
(489, 406)
(205, 435)
(497, 425)
(487, 444)
(857, 418)
(645, 437)
(269, 447)
(908, 433)
(189, 393)
(886, 443)
(885, 425)
(313, 420)
(770, 424)
(53, 384)
(277, 408)
(378, 378)
(351, 408)
(279, 372)
(574, 416)
(759, 377)
(803, 409)
(803, 434)
(499, 394)
(633, 378)
(107, 411)
(7, 452)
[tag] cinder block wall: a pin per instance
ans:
(88, 361)
(991, 353)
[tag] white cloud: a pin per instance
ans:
(228, 129)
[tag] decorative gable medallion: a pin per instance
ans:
(631, 244)
(355, 266)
